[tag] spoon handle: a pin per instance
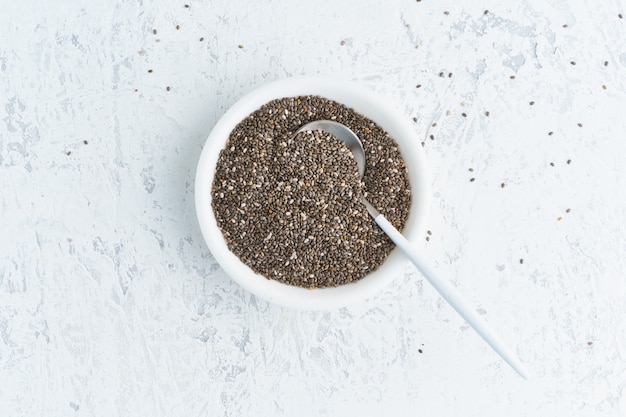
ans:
(450, 294)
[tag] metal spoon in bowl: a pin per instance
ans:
(445, 289)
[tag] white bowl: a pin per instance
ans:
(364, 101)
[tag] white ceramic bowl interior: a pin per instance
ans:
(377, 108)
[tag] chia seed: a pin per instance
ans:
(290, 208)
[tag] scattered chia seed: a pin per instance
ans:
(201, 39)
(606, 63)
(240, 46)
(446, 13)
(290, 208)
(569, 161)
(441, 74)
(565, 26)
(589, 343)
(449, 75)
(85, 142)
(551, 164)
(521, 261)
(415, 119)
(550, 133)
(434, 124)
(568, 210)
(502, 185)
(532, 103)
(150, 71)
(472, 179)
(154, 31)
(573, 62)
(486, 12)
(432, 137)
(464, 114)
(418, 86)
(427, 239)
(186, 6)
(558, 219)
(487, 113)
(177, 27)
(603, 87)
(168, 88)
(429, 233)
(343, 43)
(420, 350)
(580, 125)
(470, 169)
(512, 77)
(68, 153)
(620, 16)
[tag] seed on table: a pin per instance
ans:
(464, 114)
(434, 125)
(565, 26)
(569, 161)
(521, 261)
(432, 137)
(487, 113)
(85, 142)
(150, 71)
(551, 164)
(606, 63)
(573, 62)
(532, 103)
(441, 74)
(620, 16)
(512, 77)
(342, 43)
(603, 86)
(168, 88)
(429, 233)
(154, 31)
(450, 75)
(568, 210)
(415, 119)
(186, 6)
(446, 13)
(580, 125)
(558, 219)
(472, 179)
(240, 46)
(418, 86)
(550, 133)
(470, 169)
(502, 185)
(177, 27)
(486, 11)
(201, 39)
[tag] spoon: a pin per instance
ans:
(445, 289)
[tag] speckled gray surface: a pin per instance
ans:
(110, 303)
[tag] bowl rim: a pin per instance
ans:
(363, 100)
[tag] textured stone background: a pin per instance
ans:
(111, 304)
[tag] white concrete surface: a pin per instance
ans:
(111, 304)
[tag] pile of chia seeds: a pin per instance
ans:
(290, 208)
